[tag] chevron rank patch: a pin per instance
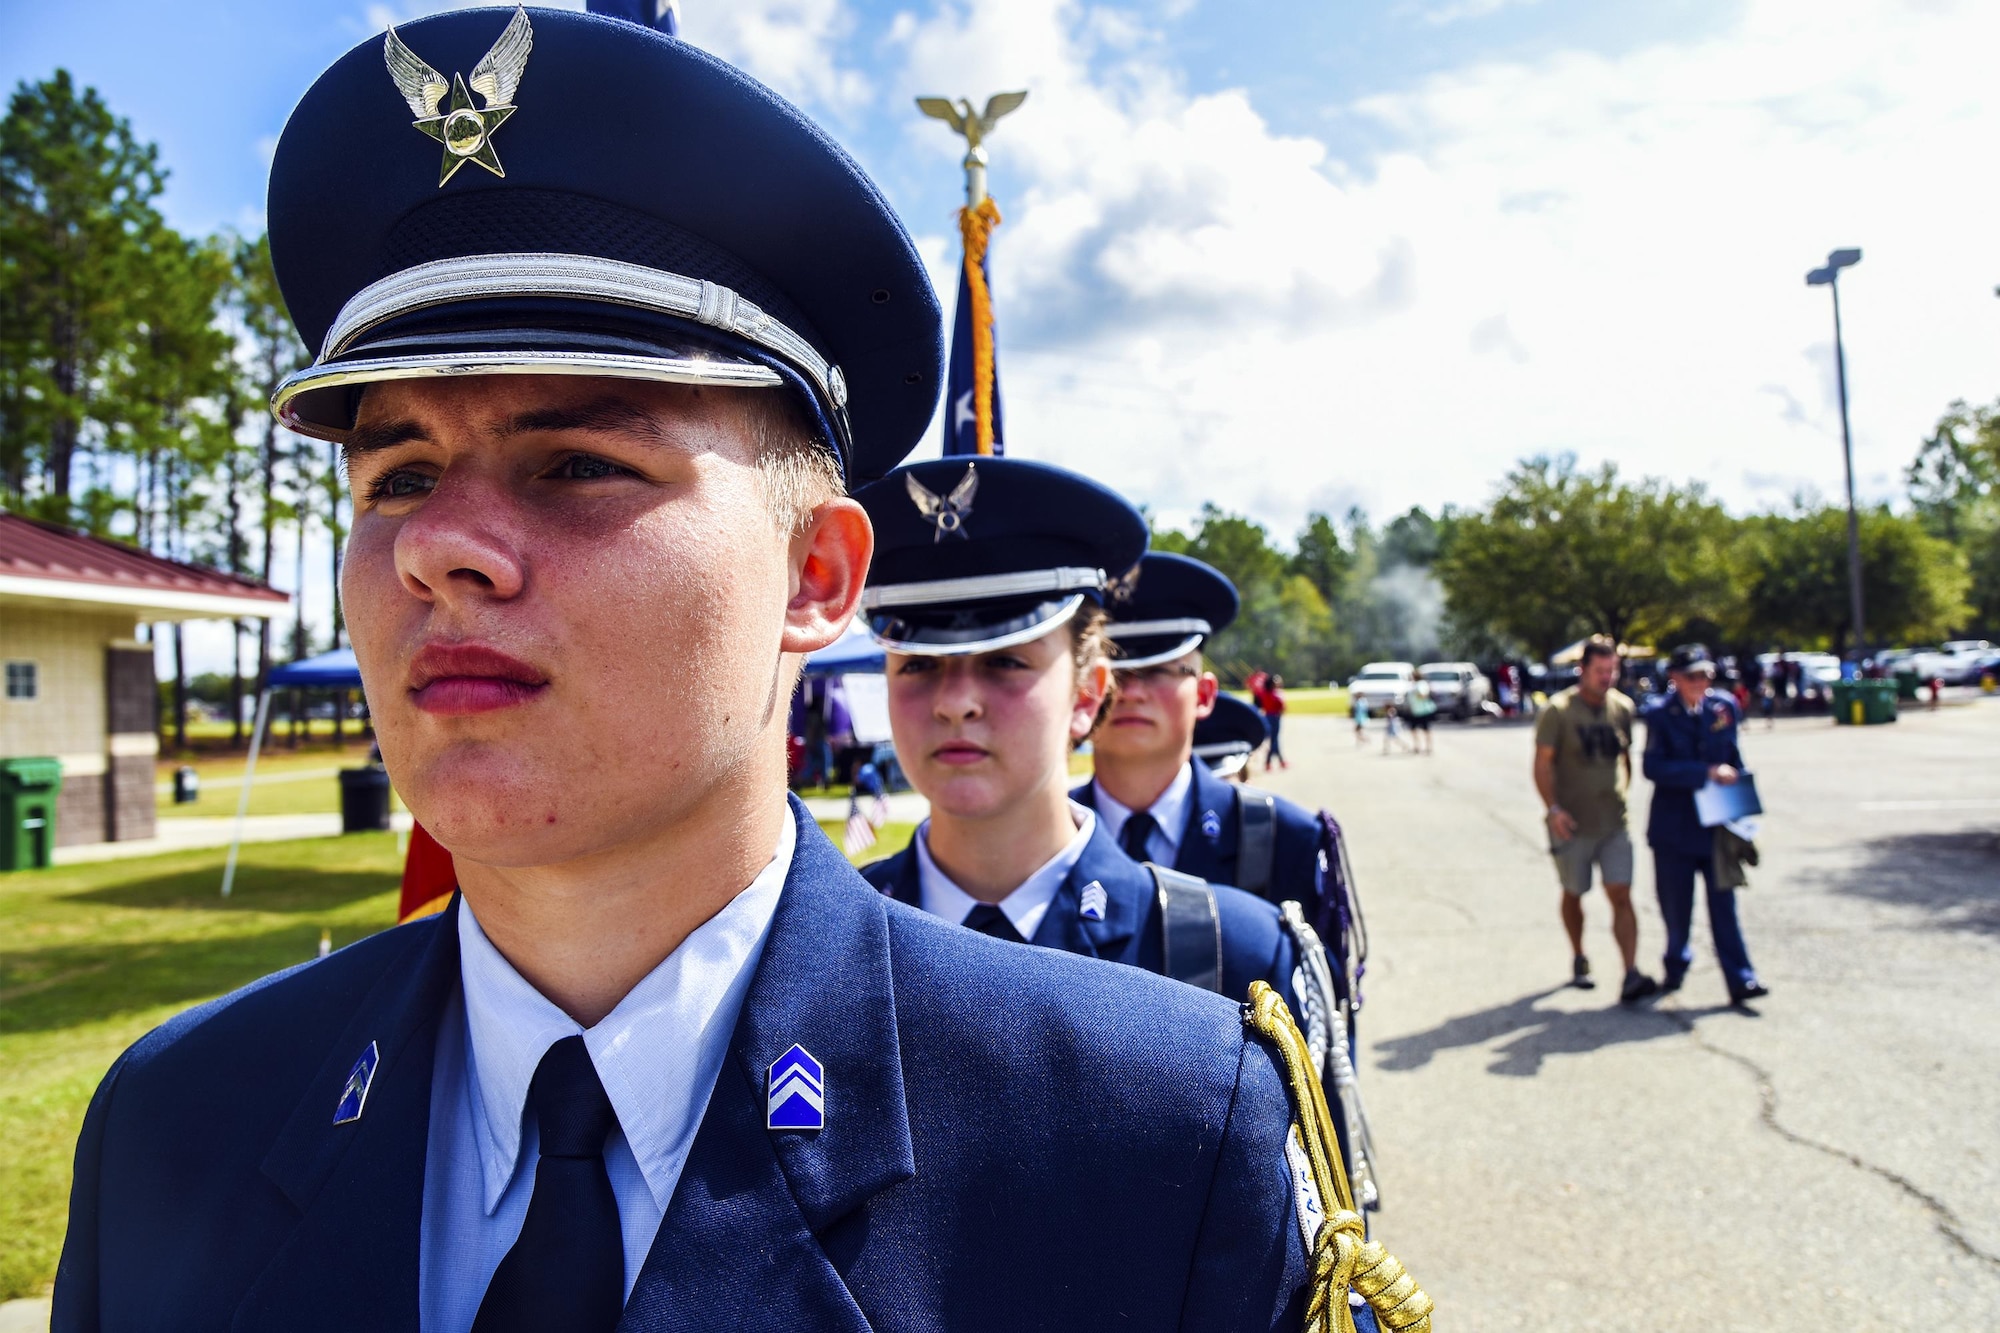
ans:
(1093, 902)
(354, 1094)
(795, 1095)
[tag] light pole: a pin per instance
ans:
(1829, 277)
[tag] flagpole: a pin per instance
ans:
(976, 222)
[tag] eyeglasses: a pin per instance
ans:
(1166, 673)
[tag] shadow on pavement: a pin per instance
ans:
(1954, 876)
(1537, 1033)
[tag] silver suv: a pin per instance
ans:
(1459, 688)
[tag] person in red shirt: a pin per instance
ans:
(1271, 701)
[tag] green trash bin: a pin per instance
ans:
(28, 812)
(1907, 685)
(1864, 702)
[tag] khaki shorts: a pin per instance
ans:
(1610, 852)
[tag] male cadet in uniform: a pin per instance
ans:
(1583, 764)
(667, 1062)
(1164, 806)
(1691, 742)
(1154, 799)
(987, 593)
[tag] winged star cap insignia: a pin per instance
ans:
(466, 132)
(946, 513)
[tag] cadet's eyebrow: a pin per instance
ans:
(371, 439)
(611, 416)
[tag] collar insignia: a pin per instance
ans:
(354, 1095)
(466, 133)
(795, 1093)
(1094, 902)
(946, 513)
(1211, 825)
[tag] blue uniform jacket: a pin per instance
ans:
(1208, 842)
(1255, 945)
(1681, 746)
(1011, 1143)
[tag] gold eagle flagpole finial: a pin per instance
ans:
(976, 222)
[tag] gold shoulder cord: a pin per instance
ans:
(1342, 1256)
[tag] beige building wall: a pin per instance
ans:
(69, 718)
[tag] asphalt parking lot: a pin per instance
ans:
(1550, 1160)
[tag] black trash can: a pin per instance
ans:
(364, 799)
(187, 785)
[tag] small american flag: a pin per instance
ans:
(863, 821)
(860, 830)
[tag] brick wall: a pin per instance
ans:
(80, 808)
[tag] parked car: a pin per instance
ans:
(1381, 683)
(1459, 688)
(1962, 659)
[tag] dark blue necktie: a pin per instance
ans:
(1133, 838)
(990, 920)
(567, 1268)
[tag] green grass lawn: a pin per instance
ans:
(94, 956)
(288, 782)
(1317, 702)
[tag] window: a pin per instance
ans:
(21, 682)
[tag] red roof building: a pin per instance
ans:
(79, 684)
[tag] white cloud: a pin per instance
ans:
(1595, 253)
(792, 45)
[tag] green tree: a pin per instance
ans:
(1954, 485)
(1561, 551)
(1321, 557)
(1913, 584)
(269, 351)
(76, 225)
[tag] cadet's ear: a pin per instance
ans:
(830, 558)
(1093, 687)
(1205, 690)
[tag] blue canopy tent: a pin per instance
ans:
(852, 653)
(329, 671)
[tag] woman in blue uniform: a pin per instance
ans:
(988, 591)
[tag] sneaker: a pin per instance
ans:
(1671, 982)
(1579, 974)
(1756, 990)
(1637, 987)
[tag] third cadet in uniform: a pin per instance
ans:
(602, 327)
(987, 592)
(1156, 801)
(1165, 806)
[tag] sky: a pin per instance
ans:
(1287, 256)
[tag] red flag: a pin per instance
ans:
(428, 877)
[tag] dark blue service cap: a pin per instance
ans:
(1691, 657)
(497, 191)
(974, 554)
(1224, 739)
(1176, 602)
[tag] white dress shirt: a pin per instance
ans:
(657, 1054)
(1169, 814)
(1026, 905)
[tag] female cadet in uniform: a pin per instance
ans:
(988, 593)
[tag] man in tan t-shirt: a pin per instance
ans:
(1583, 764)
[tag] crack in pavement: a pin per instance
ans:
(1767, 1093)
